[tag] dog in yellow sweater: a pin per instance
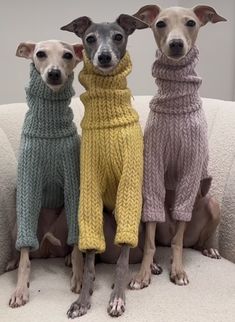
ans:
(111, 152)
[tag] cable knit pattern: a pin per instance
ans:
(176, 144)
(111, 157)
(48, 167)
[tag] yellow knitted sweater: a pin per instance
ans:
(111, 157)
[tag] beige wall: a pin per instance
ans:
(39, 20)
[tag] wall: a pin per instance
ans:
(39, 20)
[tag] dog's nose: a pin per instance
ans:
(176, 46)
(54, 74)
(104, 58)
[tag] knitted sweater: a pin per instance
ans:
(111, 157)
(176, 145)
(48, 167)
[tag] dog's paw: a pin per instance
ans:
(179, 276)
(78, 309)
(117, 304)
(212, 253)
(76, 283)
(20, 297)
(141, 280)
(156, 269)
(11, 265)
(68, 260)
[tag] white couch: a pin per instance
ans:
(209, 297)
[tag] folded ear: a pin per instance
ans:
(25, 50)
(78, 26)
(206, 14)
(148, 13)
(130, 23)
(78, 48)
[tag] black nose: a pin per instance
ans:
(54, 74)
(176, 46)
(104, 58)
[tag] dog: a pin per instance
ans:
(48, 167)
(177, 176)
(111, 152)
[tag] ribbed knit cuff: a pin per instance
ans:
(182, 215)
(91, 244)
(29, 242)
(127, 237)
(153, 213)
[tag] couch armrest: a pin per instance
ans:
(7, 198)
(221, 121)
(226, 238)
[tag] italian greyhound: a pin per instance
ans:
(105, 46)
(52, 67)
(175, 30)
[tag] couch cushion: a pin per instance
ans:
(209, 296)
(7, 197)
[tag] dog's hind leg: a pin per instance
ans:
(82, 305)
(21, 294)
(71, 194)
(15, 256)
(77, 269)
(177, 274)
(204, 243)
(117, 300)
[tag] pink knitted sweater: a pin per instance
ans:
(176, 145)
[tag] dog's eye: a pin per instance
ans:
(118, 37)
(90, 39)
(41, 54)
(160, 24)
(190, 23)
(68, 56)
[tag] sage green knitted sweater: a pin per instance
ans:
(48, 167)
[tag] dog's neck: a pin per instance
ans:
(178, 84)
(49, 114)
(107, 99)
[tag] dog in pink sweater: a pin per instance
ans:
(176, 144)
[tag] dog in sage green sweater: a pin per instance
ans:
(48, 165)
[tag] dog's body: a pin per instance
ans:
(111, 152)
(177, 170)
(48, 167)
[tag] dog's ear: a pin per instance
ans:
(148, 14)
(78, 48)
(25, 50)
(206, 14)
(130, 23)
(78, 26)
(205, 186)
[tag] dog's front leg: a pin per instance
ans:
(80, 307)
(177, 274)
(21, 294)
(117, 300)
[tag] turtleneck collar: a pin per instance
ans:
(37, 87)
(107, 99)
(177, 82)
(49, 114)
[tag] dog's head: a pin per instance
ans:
(54, 60)
(105, 43)
(175, 29)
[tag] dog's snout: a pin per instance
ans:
(54, 74)
(104, 58)
(176, 46)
